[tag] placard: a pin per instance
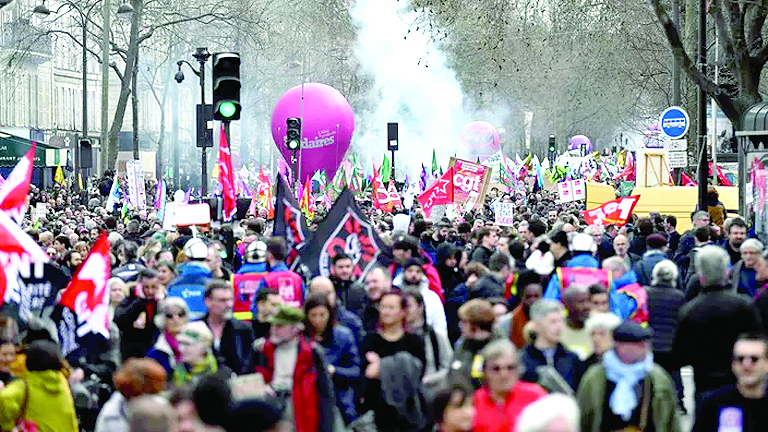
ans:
(579, 189)
(135, 180)
(193, 214)
(470, 180)
(565, 191)
(505, 214)
(251, 386)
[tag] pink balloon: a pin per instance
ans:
(327, 127)
(577, 140)
(481, 138)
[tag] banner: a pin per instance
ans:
(345, 229)
(39, 284)
(470, 181)
(289, 221)
(441, 192)
(572, 190)
(135, 181)
(613, 212)
(504, 214)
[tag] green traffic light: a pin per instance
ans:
(227, 109)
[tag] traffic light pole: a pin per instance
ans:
(392, 175)
(202, 56)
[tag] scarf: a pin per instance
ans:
(623, 400)
(174, 344)
(183, 374)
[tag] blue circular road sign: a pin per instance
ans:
(675, 122)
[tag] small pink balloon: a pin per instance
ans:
(327, 127)
(481, 138)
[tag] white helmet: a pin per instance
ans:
(195, 249)
(583, 243)
(256, 252)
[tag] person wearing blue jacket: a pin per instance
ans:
(582, 247)
(190, 284)
(341, 353)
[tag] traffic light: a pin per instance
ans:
(293, 134)
(226, 86)
(552, 148)
(86, 153)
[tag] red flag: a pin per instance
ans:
(629, 170)
(375, 184)
(613, 212)
(13, 193)
(440, 192)
(265, 193)
(685, 180)
(16, 248)
(226, 177)
(394, 197)
(721, 178)
(87, 294)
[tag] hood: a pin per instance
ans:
(193, 268)
(399, 281)
(583, 260)
(444, 251)
(628, 278)
(52, 382)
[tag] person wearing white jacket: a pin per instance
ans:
(413, 277)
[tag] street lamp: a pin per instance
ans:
(201, 55)
(43, 11)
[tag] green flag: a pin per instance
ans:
(478, 159)
(386, 169)
(434, 163)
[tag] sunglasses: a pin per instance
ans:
(499, 368)
(170, 315)
(741, 358)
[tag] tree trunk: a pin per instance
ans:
(125, 84)
(135, 106)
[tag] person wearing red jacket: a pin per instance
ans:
(503, 397)
(404, 249)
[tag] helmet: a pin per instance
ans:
(583, 243)
(256, 252)
(195, 249)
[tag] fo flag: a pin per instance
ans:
(13, 193)
(289, 221)
(613, 212)
(227, 177)
(344, 230)
(439, 193)
(87, 294)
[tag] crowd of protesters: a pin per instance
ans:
(546, 325)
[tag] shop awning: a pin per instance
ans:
(13, 148)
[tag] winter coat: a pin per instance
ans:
(490, 417)
(664, 303)
(663, 405)
(581, 260)
(341, 352)
(709, 326)
(487, 286)
(49, 402)
(429, 269)
(403, 403)
(135, 342)
(162, 353)
(467, 363)
(113, 416)
(453, 302)
(351, 294)
(433, 307)
(235, 344)
(190, 285)
(644, 268)
(450, 277)
(565, 362)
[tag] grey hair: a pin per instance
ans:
(544, 307)
(603, 320)
(166, 305)
(616, 263)
(496, 349)
(665, 271)
(539, 415)
(699, 214)
(752, 244)
(712, 265)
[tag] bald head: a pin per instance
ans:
(323, 285)
(377, 282)
(621, 245)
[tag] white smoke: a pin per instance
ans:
(412, 85)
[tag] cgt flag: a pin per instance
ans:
(344, 230)
(87, 294)
(289, 221)
(440, 192)
(613, 212)
(17, 250)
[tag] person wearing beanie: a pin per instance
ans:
(582, 268)
(193, 275)
(638, 393)
(137, 377)
(197, 358)
(41, 395)
(656, 251)
(295, 370)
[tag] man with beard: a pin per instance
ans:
(438, 237)
(232, 339)
(349, 292)
(736, 229)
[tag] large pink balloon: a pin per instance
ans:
(577, 140)
(481, 138)
(327, 127)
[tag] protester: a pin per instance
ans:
(135, 316)
(476, 319)
(137, 377)
(452, 408)
(173, 314)
(196, 358)
(194, 274)
(600, 326)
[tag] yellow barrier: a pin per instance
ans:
(678, 201)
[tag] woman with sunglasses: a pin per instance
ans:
(173, 315)
(502, 398)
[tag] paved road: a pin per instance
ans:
(688, 389)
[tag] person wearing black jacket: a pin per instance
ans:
(486, 244)
(447, 265)
(135, 315)
(349, 292)
(232, 339)
(492, 284)
(664, 303)
(710, 324)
